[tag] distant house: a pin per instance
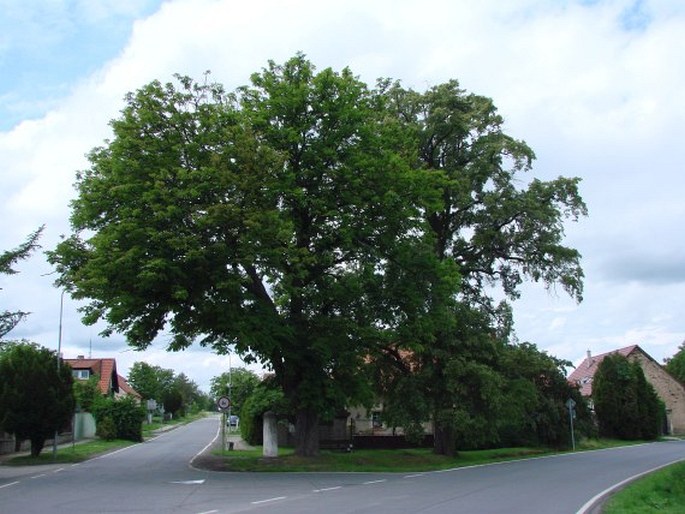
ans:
(670, 390)
(110, 382)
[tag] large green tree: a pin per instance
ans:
(238, 384)
(10, 319)
(36, 398)
(308, 222)
(150, 381)
(495, 227)
(192, 399)
(262, 221)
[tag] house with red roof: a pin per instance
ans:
(668, 388)
(110, 382)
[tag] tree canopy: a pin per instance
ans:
(496, 231)
(176, 393)
(238, 385)
(676, 364)
(309, 222)
(150, 381)
(36, 398)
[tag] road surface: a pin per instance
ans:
(156, 476)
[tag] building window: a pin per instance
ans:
(81, 374)
(376, 420)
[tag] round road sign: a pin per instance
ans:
(223, 403)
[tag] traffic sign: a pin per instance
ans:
(223, 403)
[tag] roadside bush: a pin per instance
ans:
(124, 414)
(106, 429)
(261, 400)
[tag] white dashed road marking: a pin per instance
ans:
(269, 500)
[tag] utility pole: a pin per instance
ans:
(59, 357)
(230, 386)
(570, 404)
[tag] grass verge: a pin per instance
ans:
(407, 460)
(70, 454)
(158, 423)
(662, 491)
(395, 461)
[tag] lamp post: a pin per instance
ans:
(230, 385)
(59, 352)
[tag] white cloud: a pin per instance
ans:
(592, 98)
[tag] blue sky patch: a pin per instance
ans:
(45, 47)
(635, 17)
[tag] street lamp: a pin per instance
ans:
(230, 397)
(59, 352)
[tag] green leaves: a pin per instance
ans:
(676, 364)
(306, 220)
(627, 406)
(36, 398)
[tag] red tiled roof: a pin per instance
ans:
(106, 369)
(126, 388)
(585, 372)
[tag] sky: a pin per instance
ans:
(595, 87)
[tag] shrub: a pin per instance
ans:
(260, 401)
(125, 414)
(106, 429)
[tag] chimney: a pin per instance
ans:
(589, 355)
(80, 357)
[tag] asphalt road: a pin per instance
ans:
(156, 476)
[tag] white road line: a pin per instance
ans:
(327, 489)
(58, 470)
(38, 476)
(218, 433)
(115, 452)
(188, 482)
(7, 485)
(415, 475)
(269, 500)
(208, 512)
(375, 481)
(591, 502)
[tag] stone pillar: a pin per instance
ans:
(270, 448)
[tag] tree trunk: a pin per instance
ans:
(37, 444)
(307, 433)
(444, 439)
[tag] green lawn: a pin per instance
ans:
(399, 461)
(70, 454)
(662, 491)
(368, 460)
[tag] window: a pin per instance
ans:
(81, 374)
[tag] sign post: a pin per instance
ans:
(223, 403)
(570, 404)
